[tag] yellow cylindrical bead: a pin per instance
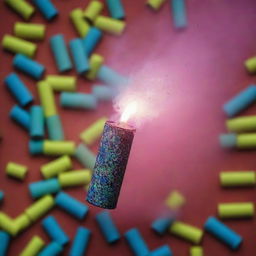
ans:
(237, 178)
(56, 167)
(93, 10)
(236, 210)
(187, 232)
(56, 148)
(22, 222)
(155, 4)
(109, 25)
(75, 178)
(250, 65)
(93, 132)
(175, 200)
(7, 224)
(246, 141)
(81, 25)
(29, 31)
(40, 207)
(241, 124)
(23, 8)
(62, 83)
(196, 251)
(33, 247)
(47, 98)
(95, 63)
(17, 45)
(16, 170)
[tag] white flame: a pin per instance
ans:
(130, 110)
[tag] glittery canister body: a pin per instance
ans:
(110, 165)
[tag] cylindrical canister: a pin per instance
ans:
(20, 116)
(36, 122)
(30, 31)
(116, 9)
(47, 8)
(110, 165)
(23, 8)
(52, 248)
(71, 205)
(33, 247)
(16, 170)
(91, 40)
(80, 242)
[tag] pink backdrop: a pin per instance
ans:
(203, 66)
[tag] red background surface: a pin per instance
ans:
(203, 66)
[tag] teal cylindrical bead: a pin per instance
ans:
(4, 242)
(47, 8)
(80, 242)
(60, 52)
(116, 9)
(161, 225)
(85, 156)
(35, 147)
(78, 100)
(54, 128)
(1, 196)
(79, 56)
(179, 13)
(228, 140)
(91, 40)
(36, 122)
(103, 92)
(20, 116)
(52, 249)
(164, 250)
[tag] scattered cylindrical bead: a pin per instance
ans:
(71, 205)
(54, 128)
(47, 8)
(62, 83)
(196, 251)
(242, 124)
(109, 25)
(80, 242)
(238, 178)
(93, 9)
(79, 56)
(228, 140)
(29, 31)
(17, 45)
(78, 100)
(52, 248)
(164, 250)
(93, 132)
(57, 148)
(7, 224)
(4, 242)
(95, 63)
(187, 232)
(1, 196)
(223, 233)
(23, 8)
(81, 25)
(116, 9)
(75, 178)
(34, 246)
(236, 210)
(28, 66)
(91, 40)
(161, 225)
(155, 4)
(44, 187)
(179, 14)
(246, 141)
(54, 230)
(18, 89)
(85, 156)
(250, 65)
(16, 170)
(36, 122)
(136, 242)
(60, 53)
(35, 147)
(103, 92)
(21, 117)
(40, 207)
(22, 222)
(107, 226)
(56, 167)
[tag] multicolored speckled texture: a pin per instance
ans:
(110, 165)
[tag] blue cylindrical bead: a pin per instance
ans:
(20, 116)
(28, 66)
(35, 147)
(91, 40)
(4, 242)
(164, 250)
(71, 205)
(52, 249)
(54, 128)
(241, 101)
(53, 229)
(107, 227)
(103, 92)
(228, 140)
(136, 242)
(18, 89)
(78, 100)
(161, 225)
(1, 196)
(116, 9)
(179, 13)
(79, 56)
(223, 233)
(85, 156)
(44, 187)
(36, 122)
(60, 52)
(80, 242)
(47, 8)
